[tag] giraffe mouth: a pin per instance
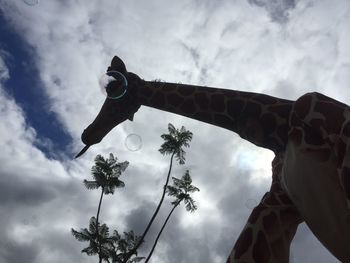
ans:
(95, 132)
(82, 151)
(89, 138)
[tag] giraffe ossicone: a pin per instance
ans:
(310, 138)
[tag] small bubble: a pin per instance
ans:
(251, 203)
(133, 142)
(31, 2)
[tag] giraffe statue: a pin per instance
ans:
(310, 138)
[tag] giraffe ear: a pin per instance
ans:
(117, 64)
(131, 117)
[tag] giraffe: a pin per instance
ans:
(310, 138)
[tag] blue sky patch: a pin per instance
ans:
(26, 88)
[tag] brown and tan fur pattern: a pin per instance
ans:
(310, 173)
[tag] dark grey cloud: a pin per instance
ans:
(13, 251)
(277, 9)
(21, 191)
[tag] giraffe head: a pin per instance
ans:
(121, 104)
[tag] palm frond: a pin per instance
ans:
(106, 173)
(136, 259)
(80, 236)
(181, 190)
(121, 166)
(174, 141)
(116, 235)
(111, 160)
(180, 156)
(171, 129)
(108, 190)
(190, 204)
(100, 177)
(172, 191)
(91, 250)
(177, 182)
(103, 231)
(116, 182)
(92, 225)
(192, 189)
(91, 184)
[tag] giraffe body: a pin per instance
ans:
(310, 173)
(314, 188)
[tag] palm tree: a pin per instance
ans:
(98, 238)
(106, 173)
(122, 246)
(175, 140)
(113, 247)
(181, 191)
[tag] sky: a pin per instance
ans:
(52, 55)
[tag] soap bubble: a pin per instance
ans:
(31, 2)
(251, 203)
(133, 142)
(114, 91)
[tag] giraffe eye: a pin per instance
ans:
(113, 84)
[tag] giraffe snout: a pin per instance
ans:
(92, 136)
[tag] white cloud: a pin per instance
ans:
(233, 45)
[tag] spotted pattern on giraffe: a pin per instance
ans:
(174, 99)
(261, 252)
(245, 241)
(188, 106)
(317, 125)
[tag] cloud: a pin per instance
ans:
(19, 252)
(277, 9)
(4, 73)
(227, 44)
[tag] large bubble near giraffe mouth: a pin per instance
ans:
(113, 84)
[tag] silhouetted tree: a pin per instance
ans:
(181, 190)
(175, 140)
(112, 249)
(106, 173)
(122, 247)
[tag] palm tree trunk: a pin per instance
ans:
(97, 216)
(155, 212)
(99, 206)
(160, 232)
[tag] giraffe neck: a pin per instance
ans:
(258, 118)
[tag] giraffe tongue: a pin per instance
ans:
(82, 151)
